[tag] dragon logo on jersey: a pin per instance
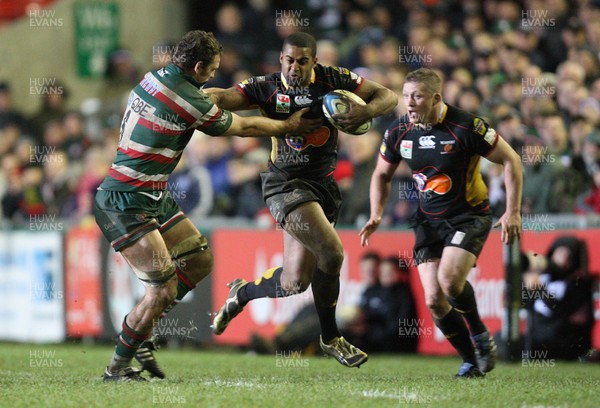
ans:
(300, 142)
(283, 104)
(439, 183)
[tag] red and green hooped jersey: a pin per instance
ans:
(162, 112)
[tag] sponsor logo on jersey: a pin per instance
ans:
(302, 100)
(283, 104)
(427, 142)
(406, 149)
(479, 126)
(448, 146)
(490, 136)
(439, 183)
(300, 142)
(342, 70)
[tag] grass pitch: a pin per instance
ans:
(70, 376)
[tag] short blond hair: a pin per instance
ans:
(428, 77)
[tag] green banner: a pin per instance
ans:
(96, 36)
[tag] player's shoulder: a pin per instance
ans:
(175, 83)
(261, 80)
(331, 69)
(324, 71)
(172, 77)
(464, 119)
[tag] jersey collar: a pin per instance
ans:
(442, 114)
(285, 84)
(174, 69)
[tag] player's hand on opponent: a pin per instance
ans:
(356, 116)
(369, 228)
(299, 125)
(511, 226)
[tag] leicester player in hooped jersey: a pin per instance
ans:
(313, 155)
(444, 159)
(443, 145)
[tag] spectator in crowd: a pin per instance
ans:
(362, 155)
(384, 309)
(586, 156)
(185, 189)
(58, 185)
(8, 138)
(218, 156)
(546, 182)
(121, 76)
(12, 196)
(369, 270)
(249, 160)
(76, 141)
(560, 301)
(8, 114)
(589, 201)
(53, 108)
(95, 168)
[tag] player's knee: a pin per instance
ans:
(194, 257)
(159, 277)
(451, 287)
(435, 304)
(331, 259)
(168, 293)
(161, 295)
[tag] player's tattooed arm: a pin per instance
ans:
(230, 99)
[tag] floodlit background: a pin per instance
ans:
(531, 69)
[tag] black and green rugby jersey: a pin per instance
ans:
(161, 115)
(311, 156)
(444, 160)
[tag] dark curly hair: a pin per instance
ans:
(196, 46)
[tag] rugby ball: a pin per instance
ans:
(337, 102)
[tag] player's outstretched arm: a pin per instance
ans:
(379, 192)
(258, 126)
(513, 181)
(230, 99)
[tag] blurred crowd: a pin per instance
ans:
(531, 68)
